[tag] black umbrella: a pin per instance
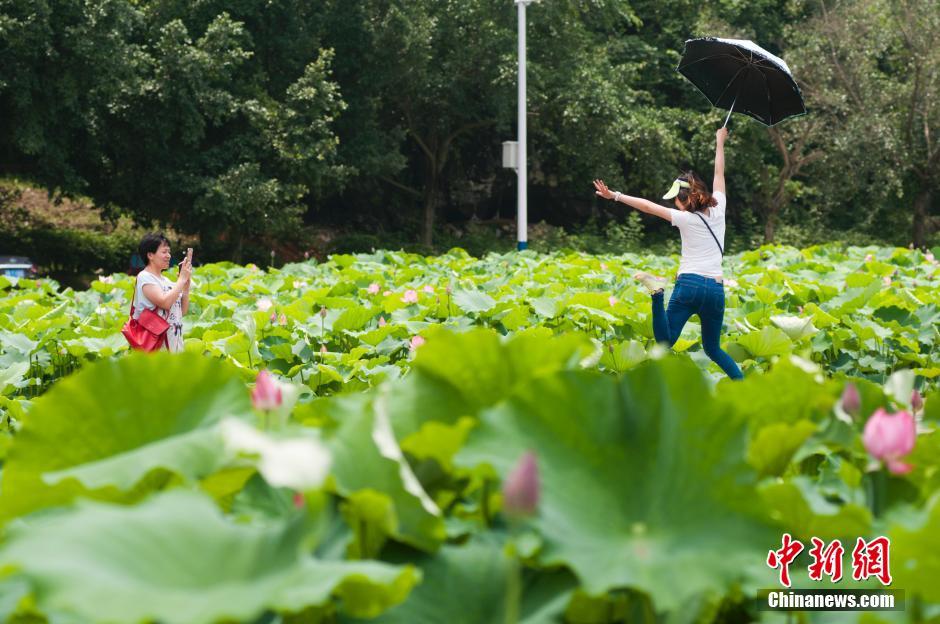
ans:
(739, 75)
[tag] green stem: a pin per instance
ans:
(485, 502)
(879, 487)
(513, 590)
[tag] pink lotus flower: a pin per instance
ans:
(266, 394)
(521, 488)
(611, 301)
(886, 280)
(730, 283)
(410, 296)
(264, 304)
(603, 266)
(428, 289)
(416, 341)
(929, 257)
(889, 437)
(282, 319)
(386, 293)
(851, 401)
(868, 258)
(373, 288)
(381, 321)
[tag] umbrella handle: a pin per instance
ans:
(730, 110)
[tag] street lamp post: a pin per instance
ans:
(521, 164)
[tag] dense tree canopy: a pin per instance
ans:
(239, 120)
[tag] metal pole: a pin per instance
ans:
(522, 216)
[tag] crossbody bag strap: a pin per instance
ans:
(699, 215)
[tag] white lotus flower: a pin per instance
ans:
(298, 463)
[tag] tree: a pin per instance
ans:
(873, 72)
(222, 133)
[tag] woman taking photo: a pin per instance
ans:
(156, 292)
(700, 217)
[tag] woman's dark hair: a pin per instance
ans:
(697, 197)
(149, 244)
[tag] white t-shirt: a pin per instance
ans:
(700, 253)
(175, 314)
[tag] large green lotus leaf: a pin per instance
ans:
(640, 478)
(473, 301)
(11, 376)
(787, 393)
(484, 369)
(114, 422)
(773, 446)
(175, 558)
(802, 509)
(366, 455)
(765, 343)
(461, 584)
(915, 555)
(794, 326)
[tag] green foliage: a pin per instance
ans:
(409, 525)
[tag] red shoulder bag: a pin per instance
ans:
(147, 333)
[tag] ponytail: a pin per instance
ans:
(697, 196)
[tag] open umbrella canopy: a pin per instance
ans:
(739, 75)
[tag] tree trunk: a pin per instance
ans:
(769, 228)
(430, 208)
(921, 221)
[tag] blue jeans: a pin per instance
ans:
(695, 294)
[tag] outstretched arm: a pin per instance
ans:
(718, 184)
(639, 203)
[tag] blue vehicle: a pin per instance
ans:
(17, 266)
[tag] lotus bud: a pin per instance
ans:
(889, 437)
(322, 313)
(416, 341)
(282, 319)
(603, 266)
(273, 316)
(611, 301)
(851, 401)
(428, 289)
(917, 401)
(886, 280)
(299, 501)
(266, 394)
(381, 321)
(373, 288)
(323, 349)
(521, 488)
(447, 289)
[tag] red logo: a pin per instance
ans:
(869, 559)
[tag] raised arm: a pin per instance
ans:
(165, 301)
(718, 184)
(643, 205)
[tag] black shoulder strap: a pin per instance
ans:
(710, 232)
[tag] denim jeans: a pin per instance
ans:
(695, 294)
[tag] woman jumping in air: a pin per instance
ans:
(700, 217)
